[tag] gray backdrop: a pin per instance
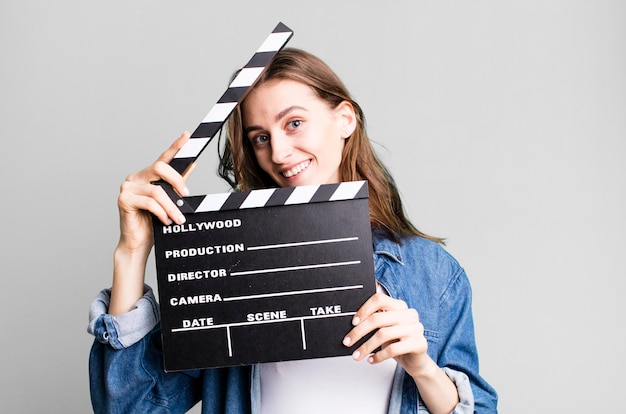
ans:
(503, 122)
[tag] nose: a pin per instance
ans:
(281, 148)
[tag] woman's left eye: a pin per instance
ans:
(294, 124)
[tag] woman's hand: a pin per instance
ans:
(398, 334)
(138, 198)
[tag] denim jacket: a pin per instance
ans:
(126, 363)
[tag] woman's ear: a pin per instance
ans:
(347, 119)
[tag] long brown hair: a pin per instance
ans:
(239, 167)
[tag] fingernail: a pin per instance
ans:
(181, 219)
(356, 320)
(370, 360)
(346, 341)
(356, 354)
(185, 191)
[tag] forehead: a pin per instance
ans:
(272, 97)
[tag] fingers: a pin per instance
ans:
(394, 341)
(397, 330)
(138, 193)
(379, 302)
(161, 169)
(169, 153)
(135, 196)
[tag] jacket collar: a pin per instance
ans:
(386, 247)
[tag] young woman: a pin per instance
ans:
(298, 126)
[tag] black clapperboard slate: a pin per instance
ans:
(260, 276)
(267, 275)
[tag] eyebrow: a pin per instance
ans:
(277, 118)
(286, 111)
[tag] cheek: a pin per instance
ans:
(333, 149)
(263, 158)
(329, 140)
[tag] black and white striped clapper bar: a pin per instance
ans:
(264, 275)
(234, 94)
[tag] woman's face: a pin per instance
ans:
(297, 138)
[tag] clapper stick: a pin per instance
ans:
(185, 158)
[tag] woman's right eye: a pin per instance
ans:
(260, 139)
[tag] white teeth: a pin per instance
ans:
(297, 169)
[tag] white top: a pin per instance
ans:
(327, 385)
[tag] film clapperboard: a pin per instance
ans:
(264, 275)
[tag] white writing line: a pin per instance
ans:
(303, 334)
(230, 346)
(287, 269)
(305, 243)
(297, 318)
(294, 292)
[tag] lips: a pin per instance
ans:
(295, 170)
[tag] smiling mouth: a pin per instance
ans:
(296, 169)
